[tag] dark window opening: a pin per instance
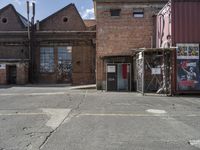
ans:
(138, 13)
(4, 20)
(115, 12)
(65, 19)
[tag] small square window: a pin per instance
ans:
(115, 12)
(138, 13)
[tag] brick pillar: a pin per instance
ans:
(22, 73)
(3, 76)
(99, 73)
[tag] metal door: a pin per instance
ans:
(111, 77)
(123, 77)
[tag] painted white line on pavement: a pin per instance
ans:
(120, 115)
(21, 114)
(156, 111)
(33, 94)
(195, 143)
(57, 116)
(135, 115)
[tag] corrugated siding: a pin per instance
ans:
(186, 21)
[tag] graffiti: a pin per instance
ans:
(64, 70)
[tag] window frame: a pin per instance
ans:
(115, 12)
(46, 60)
(68, 51)
(138, 13)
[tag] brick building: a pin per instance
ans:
(122, 26)
(62, 48)
(14, 52)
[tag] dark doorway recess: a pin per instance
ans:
(11, 74)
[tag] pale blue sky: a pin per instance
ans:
(44, 8)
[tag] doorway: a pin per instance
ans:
(64, 68)
(119, 77)
(11, 74)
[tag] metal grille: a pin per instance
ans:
(139, 68)
(64, 67)
(46, 59)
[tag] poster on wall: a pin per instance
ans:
(188, 73)
(187, 51)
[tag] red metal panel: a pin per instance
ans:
(186, 21)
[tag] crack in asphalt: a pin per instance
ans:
(52, 132)
(70, 115)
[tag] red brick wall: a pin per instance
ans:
(3, 76)
(83, 65)
(22, 73)
(118, 35)
(55, 21)
(13, 22)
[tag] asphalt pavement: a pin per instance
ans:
(65, 118)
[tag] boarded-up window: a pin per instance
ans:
(46, 59)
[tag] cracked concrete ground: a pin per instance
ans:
(58, 118)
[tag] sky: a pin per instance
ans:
(44, 8)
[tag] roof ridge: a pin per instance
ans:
(57, 12)
(20, 17)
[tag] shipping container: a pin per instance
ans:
(181, 20)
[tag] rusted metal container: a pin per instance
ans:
(185, 21)
(181, 20)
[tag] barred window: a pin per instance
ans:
(64, 54)
(65, 59)
(46, 59)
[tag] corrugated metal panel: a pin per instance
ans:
(186, 21)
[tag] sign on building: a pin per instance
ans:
(111, 69)
(188, 75)
(155, 71)
(2, 66)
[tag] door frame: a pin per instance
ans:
(8, 73)
(130, 72)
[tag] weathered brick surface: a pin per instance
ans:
(118, 35)
(83, 62)
(3, 76)
(22, 73)
(83, 66)
(55, 22)
(83, 50)
(13, 52)
(13, 21)
(14, 45)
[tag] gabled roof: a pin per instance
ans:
(21, 18)
(66, 7)
(70, 12)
